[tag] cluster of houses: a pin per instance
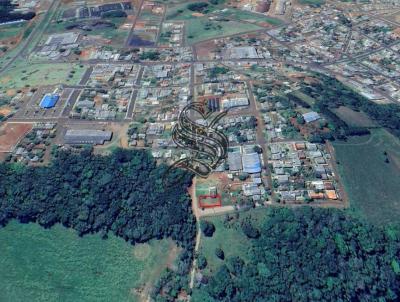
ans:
(172, 34)
(302, 171)
(166, 75)
(108, 92)
(33, 147)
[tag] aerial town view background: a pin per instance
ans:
(90, 93)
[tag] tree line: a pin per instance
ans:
(330, 93)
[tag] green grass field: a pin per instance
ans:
(230, 239)
(312, 2)
(304, 97)
(55, 264)
(354, 118)
(21, 74)
(196, 29)
(247, 16)
(8, 31)
(371, 183)
(116, 35)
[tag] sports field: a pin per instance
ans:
(370, 169)
(55, 264)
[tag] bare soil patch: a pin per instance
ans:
(11, 134)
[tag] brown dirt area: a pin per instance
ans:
(205, 49)
(119, 139)
(5, 111)
(11, 134)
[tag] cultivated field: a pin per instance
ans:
(57, 265)
(372, 183)
(11, 134)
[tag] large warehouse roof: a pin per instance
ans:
(87, 136)
(234, 161)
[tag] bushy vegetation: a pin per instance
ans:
(150, 55)
(310, 254)
(197, 6)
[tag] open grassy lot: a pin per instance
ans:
(372, 183)
(12, 30)
(115, 33)
(304, 97)
(56, 265)
(312, 2)
(201, 29)
(247, 16)
(229, 237)
(22, 74)
(354, 118)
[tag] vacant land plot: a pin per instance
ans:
(201, 29)
(112, 29)
(312, 2)
(242, 15)
(11, 134)
(57, 265)
(38, 74)
(229, 237)
(370, 169)
(354, 118)
(12, 30)
(304, 97)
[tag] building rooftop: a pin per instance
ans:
(49, 101)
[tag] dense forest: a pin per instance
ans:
(7, 13)
(329, 93)
(121, 193)
(308, 254)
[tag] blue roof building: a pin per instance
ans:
(251, 163)
(49, 101)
